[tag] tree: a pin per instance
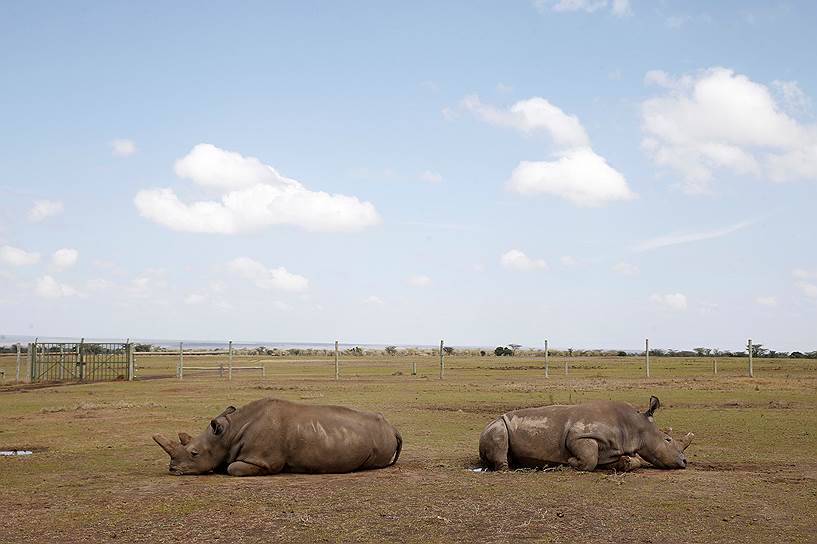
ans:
(448, 350)
(391, 350)
(515, 347)
(701, 352)
(502, 351)
(758, 350)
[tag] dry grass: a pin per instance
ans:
(96, 476)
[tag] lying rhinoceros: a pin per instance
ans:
(601, 434)
(269, 436)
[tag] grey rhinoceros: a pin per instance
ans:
(601, 434)
(268, 436)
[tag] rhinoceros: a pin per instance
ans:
(269, 436)
(601, 434)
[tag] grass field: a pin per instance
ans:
(96, 476)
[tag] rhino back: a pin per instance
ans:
(540, 436)
(313, 438)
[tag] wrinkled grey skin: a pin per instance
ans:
(268, 436)
(602, 434)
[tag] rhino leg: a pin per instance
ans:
(627, 463)
(585, 453)
(240, 468)
(493, 446)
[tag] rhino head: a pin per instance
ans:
(201, 454)
(657, 447)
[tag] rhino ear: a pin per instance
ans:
(228, 410)
(655, 404)
(185, 438)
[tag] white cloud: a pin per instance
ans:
(48, 287)
(568, 261)
(675, 301)
(122, 147)
(15, 256)
(419, 281)
(689, 237)
(195, 298)
(431, 177)
(767, 301)
(502, 88)
(804, 274)
(517, 260)
(532, 115)
(146, 284)
(808, 289)
(580, 176)
(254, 196)
(577, 173)
(792, 97)
(686, 238)
(373, 300)
(43, 209)
(617, 7)
(268, 278)
(65, 258)
(626, 269)
(430, 86)
(718, 120)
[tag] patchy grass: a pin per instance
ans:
(96, 476)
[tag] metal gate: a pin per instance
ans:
(81, 361)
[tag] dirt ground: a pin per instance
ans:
(95, 475)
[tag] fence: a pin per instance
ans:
(79, 361)
(220, 367)
(87, 361)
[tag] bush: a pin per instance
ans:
(391, 350)
(448, 350)
(502, 351)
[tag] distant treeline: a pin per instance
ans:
(511, 350)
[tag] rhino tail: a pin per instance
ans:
(398, 449)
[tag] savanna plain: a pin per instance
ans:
(95, 475)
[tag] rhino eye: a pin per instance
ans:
(194, 453)
(668, 439)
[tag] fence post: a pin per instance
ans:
(131, 365)
(17, 375)
(180, 366)
(413, 367)
(80, 361)
(751, 370)
(442, 361)
(230, 362)
(32, 346)
(569, 356)
(546, 359)
(715, 366)
(337, 362)
(647, 354)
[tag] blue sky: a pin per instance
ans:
(587, 171)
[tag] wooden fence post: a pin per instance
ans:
(751, 370)
(180, 367)
(442, 361)
(230, 362)
(715, 365)
(80, 362)
(337, 362)
(647, 354)
(131, 365)
(32, 347)
(17, 375)
(546, 359)
(413, 367)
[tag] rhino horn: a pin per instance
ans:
(686, 440)
(167, 445)
(185, 438)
